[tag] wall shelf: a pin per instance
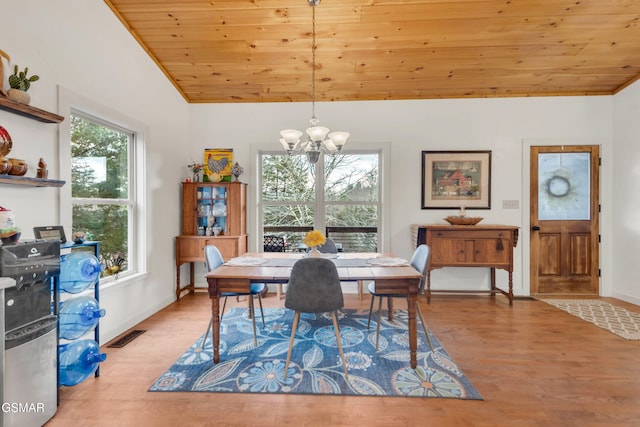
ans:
(29, 111)
(31, 182)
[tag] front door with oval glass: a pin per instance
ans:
(564, 220)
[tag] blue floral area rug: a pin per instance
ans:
(315, 366)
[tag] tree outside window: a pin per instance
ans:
(101, 188)
(340, 194)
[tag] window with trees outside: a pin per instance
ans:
(103, 194)
(340, 195)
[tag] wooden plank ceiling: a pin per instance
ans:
(260, 50)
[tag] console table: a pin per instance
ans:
(489, 246)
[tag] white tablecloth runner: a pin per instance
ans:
(339, 262)
(247, 261)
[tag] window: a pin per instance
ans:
(103, 189)
(340, 195)
(352, 201)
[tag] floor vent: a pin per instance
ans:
(127, 338)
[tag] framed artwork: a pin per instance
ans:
(217, 164)
(451, 179)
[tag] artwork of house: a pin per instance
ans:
(455, 183)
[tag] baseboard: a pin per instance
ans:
(627, 298)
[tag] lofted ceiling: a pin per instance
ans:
(219, 51)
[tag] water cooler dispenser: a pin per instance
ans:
(30, 386)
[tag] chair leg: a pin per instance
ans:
(296, 318)
(424, 325)
(249, 305)
(261, 310)
(336, 328)
(224, 305)
(379, 321)
(370, 310)
(253, 320)
(206, 333)
(279, 291)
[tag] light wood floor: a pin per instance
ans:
(534, 365)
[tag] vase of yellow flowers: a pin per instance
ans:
(313, 239)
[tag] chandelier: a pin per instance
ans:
(318, 139)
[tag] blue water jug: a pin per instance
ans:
(78, 315)
(78, 361)
(78, 271)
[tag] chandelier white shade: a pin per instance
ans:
(318, 139)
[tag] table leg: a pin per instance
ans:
(178, 281)
(493, 281)
(215, 326)
(192, 279)
(510, 287)
(412, 300)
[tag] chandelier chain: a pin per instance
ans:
(318, 139)
(313, 67)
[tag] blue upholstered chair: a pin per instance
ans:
(213, 259)
(419, 261)
(328, 247)
(314, 287)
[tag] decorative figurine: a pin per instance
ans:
(42, 169)
(196, 168)
(78, 237)
(236, 171)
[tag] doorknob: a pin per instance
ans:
(536, 228)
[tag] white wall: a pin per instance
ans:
(80, 46)
(626, 200)
(501, 125)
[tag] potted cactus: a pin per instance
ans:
(20, 83)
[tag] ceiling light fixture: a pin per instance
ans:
(318, 139)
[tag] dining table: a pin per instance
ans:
(391, 275)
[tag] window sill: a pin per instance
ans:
(111, 282)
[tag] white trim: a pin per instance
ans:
(68, 101)
(254, 214)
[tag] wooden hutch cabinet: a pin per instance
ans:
(212, 214)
